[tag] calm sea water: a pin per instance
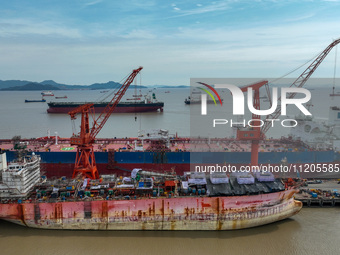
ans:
(312, 231)
(30, 120)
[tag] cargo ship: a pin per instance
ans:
(35, 100)
(61, 97)
(149, 104)
(161, 152)
(143, 201)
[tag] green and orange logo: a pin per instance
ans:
(209, 93)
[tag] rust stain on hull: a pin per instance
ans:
(21, 214)
(183, 213)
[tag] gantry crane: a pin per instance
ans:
(85, 161)
(256, 134)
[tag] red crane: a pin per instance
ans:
(85, 160)
(253, 133)
(256, 134)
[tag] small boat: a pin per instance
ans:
(60, 97)
(191, 100)
(47, 93)
(104, 91)
(35, 101)
(167, 91)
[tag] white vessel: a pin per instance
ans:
(47, 93)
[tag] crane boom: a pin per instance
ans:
(255, 134)
(101, 120)
(300, 82)
(85, 161)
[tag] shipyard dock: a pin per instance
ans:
(323, 194)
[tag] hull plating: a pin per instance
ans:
(125, 109)
(186, 213)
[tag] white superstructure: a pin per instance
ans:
(319, 134)
(19, 177)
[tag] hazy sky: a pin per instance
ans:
(87, 41)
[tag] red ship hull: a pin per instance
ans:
(182, 213)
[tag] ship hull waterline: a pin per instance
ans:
(181, 213)
(131, 108)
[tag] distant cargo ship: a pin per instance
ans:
(47, 93)
(35, 101)
(150, 104)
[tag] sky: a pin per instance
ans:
(86, 41)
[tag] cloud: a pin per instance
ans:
(139, 34)
(84, 48)
(19, 27)
(215, 6)
(300, 18)
(93, 3)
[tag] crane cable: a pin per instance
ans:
(334, 74)
(114, 91)
(140, 91)
(290, 72)
(297, 68)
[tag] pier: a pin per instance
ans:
(324, 194)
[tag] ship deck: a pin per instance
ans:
(175, 145)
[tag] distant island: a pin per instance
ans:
(31, 86)
(18, 85)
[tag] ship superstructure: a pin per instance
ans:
(318, 134)
(19, 177)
